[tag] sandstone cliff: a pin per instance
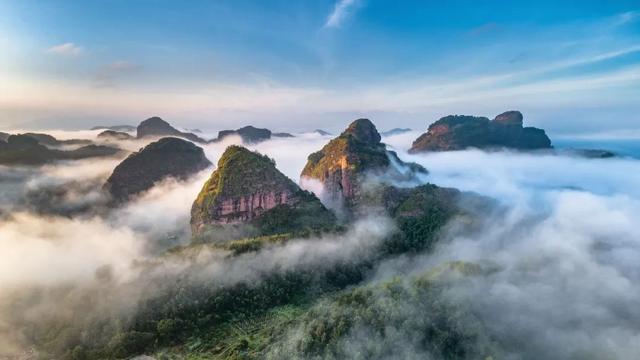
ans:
(348, 160)
(458, 132)
(247, 189)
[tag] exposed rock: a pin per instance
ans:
(167, 157)
(127, 128)
(48, 140)
(247, 189)
(114, 135)
(249, 134)
(395, 131)
(156, 127)
(4, 136)
(346, 161)
(458, 132)
(25, 149)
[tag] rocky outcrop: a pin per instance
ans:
(156, 127)
(345, 162)
(249, 134)
(111, 135)
(167, 157)
(25, 149)
(458, 132)
(247, 189)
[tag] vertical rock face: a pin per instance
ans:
(156, 127)
(345, 161)
(246, 188)
(167, 157)
(458, 132)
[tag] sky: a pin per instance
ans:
(572, 67)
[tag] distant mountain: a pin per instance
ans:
(25, 149)
(249, 134)
(395, 131)
(46, 139)
(321, 132)
(114, 135)
(4, 136)
(282, 134)
(127, 128)
(248, 196)
(156, 127)
(167, 157)
(458, 132)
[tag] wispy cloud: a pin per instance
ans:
(626, 17)
(340, 12)
(67, 49)
(107, 75)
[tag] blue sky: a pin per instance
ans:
(570, 66)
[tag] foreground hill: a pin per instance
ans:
(247, 193)
(458, 132)
(25, 149)
(167, 157)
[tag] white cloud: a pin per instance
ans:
(341, 10)
(67, 49)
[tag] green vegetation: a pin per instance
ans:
(247, 197)
(385, 320)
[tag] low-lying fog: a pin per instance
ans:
(567, 248)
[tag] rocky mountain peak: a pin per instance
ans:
(363, 130)
(342, 165)
(247, 189)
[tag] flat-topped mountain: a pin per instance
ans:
(249, 134)
(248, 193)
(343, 164)
(458, 132)
(25, 149)
(156, 127)
(167, 157)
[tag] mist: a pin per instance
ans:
(563, 240)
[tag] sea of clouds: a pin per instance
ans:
(565, 241)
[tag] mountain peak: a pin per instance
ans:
(363, 130)
(167, 157)
(247, 191)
